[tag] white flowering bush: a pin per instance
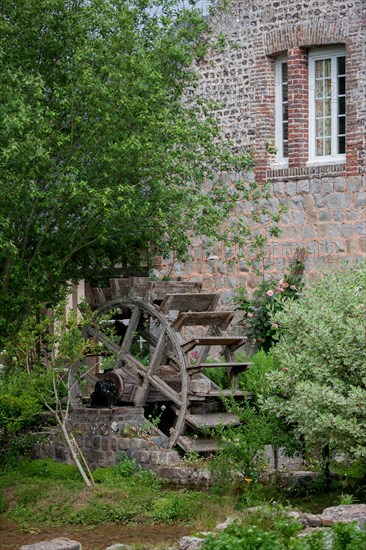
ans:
(320, 388)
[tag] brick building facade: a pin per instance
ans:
(292, 74)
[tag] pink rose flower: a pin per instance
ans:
(269, 292)
(250, 315)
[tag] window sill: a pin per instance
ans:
(326, 162)
(279, 165)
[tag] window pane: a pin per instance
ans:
(327, 67)
(284, 72)
(342, 85)
(341, 65)
(328, 127)
(319, 127)
(285, 149)
(327, 146)
(318, 108)
(341, 105)
(327, 87)
(319, 147)
(341, 125)
(319, 69)
(319, 88)
(327, 107)
(341, 145)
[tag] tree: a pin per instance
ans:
(320, 388)
(101, 161)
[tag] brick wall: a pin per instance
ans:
(326, 203)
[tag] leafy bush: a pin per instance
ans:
(282, 536)
(320, 387)
(255, 379)
(268, 298)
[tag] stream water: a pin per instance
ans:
(95, 538)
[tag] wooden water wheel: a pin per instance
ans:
(140, 334)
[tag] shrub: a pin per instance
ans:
(282, 536)
(268, 298)
(320, 387)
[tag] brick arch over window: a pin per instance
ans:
(319, 32)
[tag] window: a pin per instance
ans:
(327, 105)
(281, 110)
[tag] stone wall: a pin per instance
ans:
(326, 202)
(103, 435)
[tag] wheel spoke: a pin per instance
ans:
(131, 329)
(103, 339)
(143, 391)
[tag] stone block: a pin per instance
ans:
(145, 456)
(327, 185)
(360, 228)
(351, 215)
(338, 215)
(360, 200)
(290, 188)
(53, 544)
(320, 200)
(138, 444)
(308, 202)
(299, 217)
(346, 229)
(334, 230)
(314, 186)
(303, 186)
(339, 184)
(354, 183)
(124, 443)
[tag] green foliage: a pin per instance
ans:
(241, 447)
(125, 469)
(269, 298)
(255, 379)
(179, 507)
(320, 388)
(45, 469)
(101, 161)
(17, 413)
(282, 535)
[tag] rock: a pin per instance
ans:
(190, 543)
(54, 544)
(347, 513)
(312, 520)
(225, 524)
(119, 546)
(326, 521)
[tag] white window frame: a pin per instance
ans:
(281, 160)
(314, 55)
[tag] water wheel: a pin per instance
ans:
(142, 347)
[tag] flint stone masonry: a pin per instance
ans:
(103, 433)
(241, 76)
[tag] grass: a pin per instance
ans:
(44, 493)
